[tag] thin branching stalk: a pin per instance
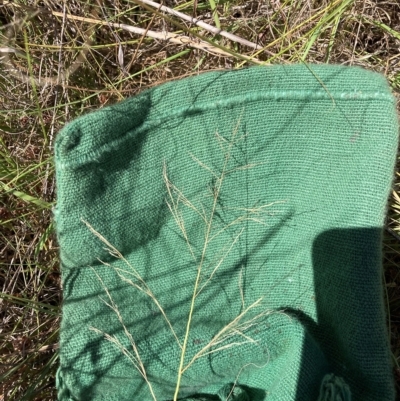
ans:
(135, 358)
(142, 286)
(217, 191)
(234, 328)
(220, 261)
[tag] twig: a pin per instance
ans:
(204, 25)
(172, 37)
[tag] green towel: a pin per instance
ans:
(263, 191)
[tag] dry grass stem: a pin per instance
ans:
(202, 24)
(209, 225)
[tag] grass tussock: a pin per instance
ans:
(62, 59)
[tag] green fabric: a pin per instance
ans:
(293, 166)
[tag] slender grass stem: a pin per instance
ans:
(203, 255)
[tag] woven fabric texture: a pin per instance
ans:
(267, 187)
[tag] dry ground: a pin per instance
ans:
(62, 59)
